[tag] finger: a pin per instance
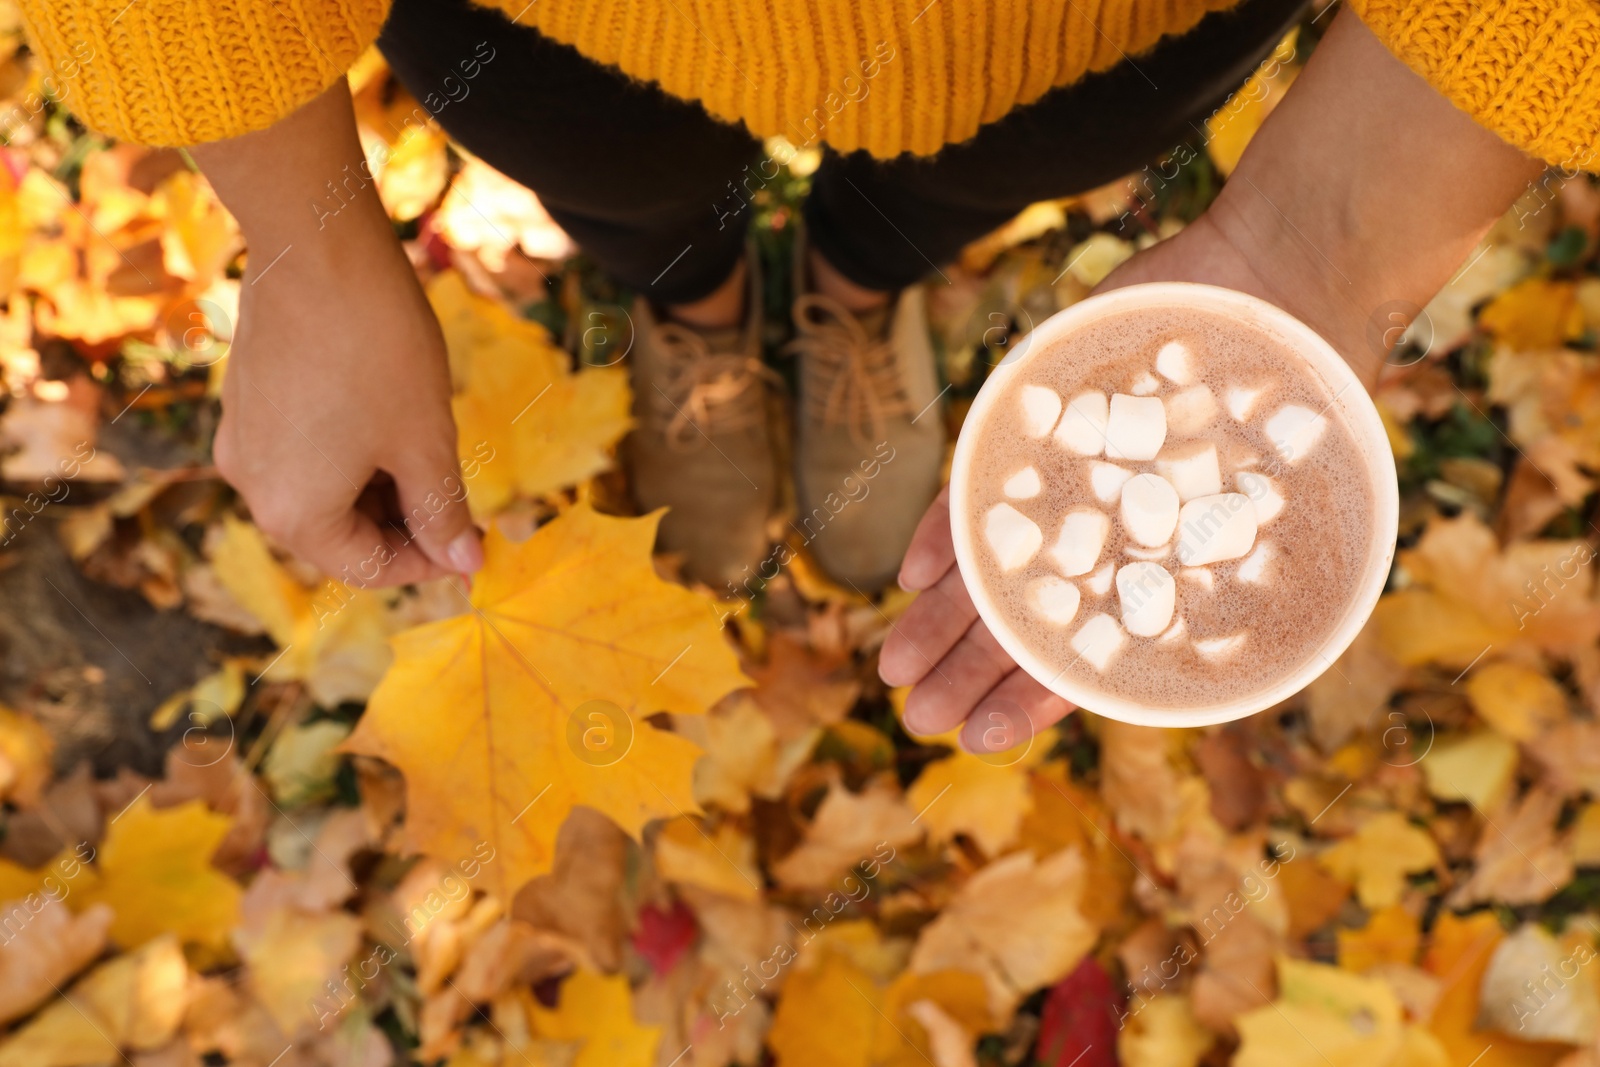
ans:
(947, 695)
(361, 553)
(931, 626)
(433, 503)
(1013, 713)
(931, 552)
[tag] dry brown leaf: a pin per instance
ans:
(44, 946)
(1017, 923)
(1520, 858)
(849, 828)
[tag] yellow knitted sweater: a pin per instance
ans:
(916, 74)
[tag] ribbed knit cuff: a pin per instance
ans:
(1527, 69)
(181, 72)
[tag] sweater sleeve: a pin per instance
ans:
(1527, 69)
(181, 72)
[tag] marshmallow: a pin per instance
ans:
(1146, 384)
(1040, 409)
(1240, 401)
(1099, 582)
(1011, 535)
(1174, 632)
(1191, 411)
(1083, 425)
(1106, 480)
(1055, 598)
(1254, 567)
(1175, 362)
(1200, 576)
(1136, 427)
(1295, 430)
(1216, 648)
(1192, 470)
(1214, 528)
(1098, 640)
(1022, 485)
(1148, 598)
(1149, 509)
(1262, 493)
(1139, 552)
(1083, 535)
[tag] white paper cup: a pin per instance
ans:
(1351, 406)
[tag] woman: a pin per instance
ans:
(1411, 130)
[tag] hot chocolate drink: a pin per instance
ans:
(1169, 507)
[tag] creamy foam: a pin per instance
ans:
(1237, 625)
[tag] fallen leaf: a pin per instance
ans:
(333, 637)
(1480, 768)
(134, 1003)
(597, 1010)
(1016, 923)
(154, 871)
(1458, 953)
(44, 946)
(570, 633)
(723, 861)
(849, 828)
(1079, 1020)
(527, 425)
(25, 751)
(295, 957)
(1326, 1016)
(1378, 858)
(1392, 935)
(967, 794)
(1516, 700)
(1534, 314)
(1536, 988)
(1468, 596)
(1520, 858)
(1164, 1033)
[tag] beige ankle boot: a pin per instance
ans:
(871, 433)
(702, 446)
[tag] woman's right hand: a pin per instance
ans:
(336, 424)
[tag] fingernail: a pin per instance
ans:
(465, 553)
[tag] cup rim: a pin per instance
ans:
(1359, 412)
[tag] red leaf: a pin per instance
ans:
(1078, 1026)
(664, 936)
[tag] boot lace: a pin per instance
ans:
(848, 378)
(704, 393)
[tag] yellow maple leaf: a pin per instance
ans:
(526, 424)
(971, 795)
(333, 636)
(1536, 313)
(134, 1003)
(1379, 857)
(504, 718)
(1466, 596)
(598, 1011)
(154, 870)
(1518, 701)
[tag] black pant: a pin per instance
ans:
(646, 182)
